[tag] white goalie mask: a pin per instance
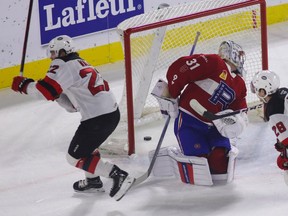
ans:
(62, 42)
(233, 52)
(267, 80)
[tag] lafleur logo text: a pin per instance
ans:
(78, 17)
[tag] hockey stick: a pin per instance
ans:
(211, 116)
(285, 175)
(143, 177)
(26, 37)
(195, 42)
(148, 172)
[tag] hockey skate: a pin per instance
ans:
(121, 182)
(89, 185)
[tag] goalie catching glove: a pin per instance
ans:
(231, 126)
(168, 105)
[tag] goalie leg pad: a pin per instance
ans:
(164, 165)
(191, 169)
(233, 153)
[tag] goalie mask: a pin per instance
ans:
(267, 80)
(62, 42)
(233, 53)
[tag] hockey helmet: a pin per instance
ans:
(62, 42)
(267, 80)
(233, 52)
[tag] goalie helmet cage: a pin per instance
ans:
(152, 41)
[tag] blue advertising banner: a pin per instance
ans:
(80, 17)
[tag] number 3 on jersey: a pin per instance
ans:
(93, 79)
(192, 64)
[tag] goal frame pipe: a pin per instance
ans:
(127, 52)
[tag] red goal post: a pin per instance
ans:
(152, 41)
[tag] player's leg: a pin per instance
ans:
(222, 156)
(88, 137)
(192, 161)
(191, 135)
(218, 157)
(92, 182)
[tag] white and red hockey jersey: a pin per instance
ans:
(276, 111)
(209, 80)
(87, 91)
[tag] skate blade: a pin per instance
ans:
(92, 190)
(127, 184)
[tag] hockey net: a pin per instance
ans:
(152, 41)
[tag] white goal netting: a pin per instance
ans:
(152, 41)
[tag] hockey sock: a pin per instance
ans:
(218, 161)
(89, 163)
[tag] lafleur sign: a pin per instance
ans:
(80, 17)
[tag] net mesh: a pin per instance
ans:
(153, 50)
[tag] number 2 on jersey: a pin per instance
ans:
(279, 128)
(92, 81)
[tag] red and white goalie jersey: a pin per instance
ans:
(80, 83)
(209, 80)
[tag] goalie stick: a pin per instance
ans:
(143, 177)
(211, 116)
(148, 172)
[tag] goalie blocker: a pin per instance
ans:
(190, 169)
(168, 105)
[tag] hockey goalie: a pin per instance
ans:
(216, 81)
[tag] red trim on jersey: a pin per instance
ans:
(50, 88)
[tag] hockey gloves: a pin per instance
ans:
(279, 146)
(168, 105)
(231, 126)
(282, 161)
(20, 84)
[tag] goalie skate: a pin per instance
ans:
(89, 185)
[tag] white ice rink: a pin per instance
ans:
(36, 180)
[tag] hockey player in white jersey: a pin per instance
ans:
(78, 87)
(266, 85)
